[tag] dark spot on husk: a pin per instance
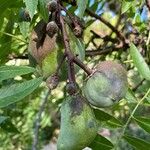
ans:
(76, 105)
(91, 124)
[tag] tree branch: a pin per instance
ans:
(70, 56)
(104, 51)
(105, 38)
(82, 65)
(71, 74)
(119, 34)
(38, 120)
(148, 4)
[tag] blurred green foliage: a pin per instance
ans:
(125, 119)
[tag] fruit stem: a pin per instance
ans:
(71, 72)
(82, 65)
(70, 57)
(70, 16)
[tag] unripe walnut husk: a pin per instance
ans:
(78, 124)
(107, 85)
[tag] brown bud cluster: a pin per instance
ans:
(51, 28)
(52, 5)
(52, 81)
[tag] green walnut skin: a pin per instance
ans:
(78, 124)
(107, 85)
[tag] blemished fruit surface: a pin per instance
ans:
(107, 85)
(78, 124)
(43, 50)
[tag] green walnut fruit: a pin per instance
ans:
(107, 85)
(43, 50)
(78, 124)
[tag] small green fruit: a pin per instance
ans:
(107, 85)
(78, 124)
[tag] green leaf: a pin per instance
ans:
(143, 122)
(94, 6)
(137, 19)
(7, 72)
(31, 6)
(78, 47)
(88, 23)
(114, 123)
(137, 143)
(42, 9)
(126, 5)
(2, 119)
(81, 7)
(101, 142)
(130, 96)
(101, 115)
(24, 28)
(110, 120)
(148, 99)
(7, 125)
(6, 41)
(6, 4)
(16, 92)
(139, 62)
